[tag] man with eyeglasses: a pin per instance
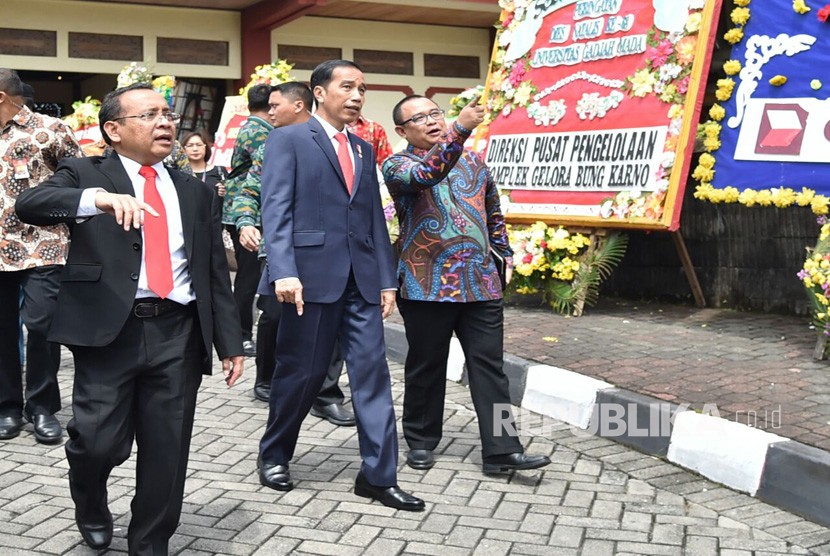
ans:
(144, 298)
(31, 259)
(450, 221)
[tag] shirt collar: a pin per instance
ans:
(330, 130)
(23, 117)
(262, 121)
(132, 167)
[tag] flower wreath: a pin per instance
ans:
(508, 87)
(666, 75)
(269, 74)
(709, 132)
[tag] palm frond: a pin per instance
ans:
(599, 261)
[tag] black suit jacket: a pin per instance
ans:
(100, 279)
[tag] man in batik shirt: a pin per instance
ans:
(450, 221)
(31, 258)
(251, 136)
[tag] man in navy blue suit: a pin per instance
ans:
(329, 255)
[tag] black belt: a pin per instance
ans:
(149, 307)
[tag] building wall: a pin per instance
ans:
(28, 26)
(385, 89)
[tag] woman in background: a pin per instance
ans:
(197, 148)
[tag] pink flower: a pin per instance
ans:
(507, 20)
(517, 75)
(824, 13)
(660, 53)
(527, 258)
(683, 85)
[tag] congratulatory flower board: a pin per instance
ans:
(593, 108)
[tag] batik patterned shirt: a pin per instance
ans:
(31, 145)
(252, 135)
(450, 219)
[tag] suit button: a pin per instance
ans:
(134, 276)
(136, 246)
(351, 234)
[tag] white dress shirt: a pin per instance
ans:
(331, 132)
(182, 287)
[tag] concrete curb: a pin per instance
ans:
(774, 469)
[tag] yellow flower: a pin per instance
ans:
(731, 67)
(693, 23)
(742, 3)
(712, 130)
(725, 88)
(783, 197)
(778, 80)
(731, 194)
(702, 173)
(711, 144)
(825, 232)
(819, 204)
(800, 7)
(747, 197)
(707, 161)
(740, 16)
(734, 36)
(668, 93)
(805, 197)
(717, 112)
(675, 111)
(522, 96)
(642, 83)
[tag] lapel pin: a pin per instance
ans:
(359, 152)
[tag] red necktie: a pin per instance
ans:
(159, 268)
(344, 160)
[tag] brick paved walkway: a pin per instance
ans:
(598, 498)
(757, 368)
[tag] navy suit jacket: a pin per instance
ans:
(313, 229)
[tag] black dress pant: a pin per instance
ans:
(40, 292)
(266, 349)
(140, 387)
(245, 283)
(479, 327)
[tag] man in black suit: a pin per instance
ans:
(144, 296)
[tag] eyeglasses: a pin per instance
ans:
(420, 119)
(154, 116)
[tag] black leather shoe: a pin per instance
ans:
(96, 535)
(509, 462)
(10, 427)
(420, 459)
(47, 428)
(249, 348)
(262, 392)
(335, 414)
(275, 476)
(392, 496)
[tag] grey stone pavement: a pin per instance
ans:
(597, 498)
